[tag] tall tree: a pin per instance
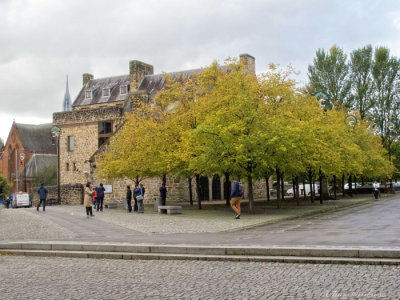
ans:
(329, 74)
(385, 74)
(361, 65)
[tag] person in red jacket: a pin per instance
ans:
(94, 197)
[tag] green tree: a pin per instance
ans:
(5, 186)
(330, 74)
(385, 74)
(361, 65)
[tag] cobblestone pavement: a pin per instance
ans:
(22, 224)
(63, 278)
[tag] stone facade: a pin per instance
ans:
(77, 166)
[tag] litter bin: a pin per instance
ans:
(157, 203)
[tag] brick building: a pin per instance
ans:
(95, 117)
(23, 142)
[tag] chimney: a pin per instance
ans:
(86, 77)
(249, 63)
(137, 71)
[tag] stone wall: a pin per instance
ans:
(105, 112)
(70, 194)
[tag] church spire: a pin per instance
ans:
(67, 106)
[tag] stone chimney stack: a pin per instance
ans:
(86, 77)
(249, 63)
(137, 71)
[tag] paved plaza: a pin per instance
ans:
(62, 278)
(372, 225)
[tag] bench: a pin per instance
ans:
(168, 209)
(111, 205)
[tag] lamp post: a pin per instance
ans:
(390, 127)
(55, 132)
(21, 157)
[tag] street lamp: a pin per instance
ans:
(55, 132)
(21, 157)
(390, 127)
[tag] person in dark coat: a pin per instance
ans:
(139, 193)
(163, 194)
(129, 197)
(42, 191)
(100, 197)
(136, 193)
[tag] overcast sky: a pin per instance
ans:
(41, 41)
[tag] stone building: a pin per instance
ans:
(95, 117)
(23, 142)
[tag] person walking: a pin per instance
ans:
(129, 197)
(88, 199)
(236, 194)
(42, 191)
(163, 194)
(376, 192)
(139, 197)
(100, 197)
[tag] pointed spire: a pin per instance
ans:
(67, 106)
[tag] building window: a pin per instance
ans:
(106, 92)
(71, 143)
(74, 166)
(123, 89)
(67, 166)
(88, 94)
(105, 131)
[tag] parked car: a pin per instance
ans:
(21, 200)
(308, 193)
(353, 186)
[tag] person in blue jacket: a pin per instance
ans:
(236, 194)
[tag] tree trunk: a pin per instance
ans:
(227, 189)
(283, 187)
(164, 179)
(278, 189)
(190, 191)
(350, 187)
(355, 184)
(310, 178)
(198, 190)
(343, 185)
(304, 187)
(267, 185)
(250, 194)
(334, 187)
(297, 191)
(320, 187)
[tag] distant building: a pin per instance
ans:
(67, 104)
(23, 142)
(95, 118)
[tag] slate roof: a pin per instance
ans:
(39, 163)
(97, 86)
(155, 83)
(150, 83)
(36, 138)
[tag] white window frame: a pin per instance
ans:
(71, 143)
(86, 94)
(120, 89)
(109, 92)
